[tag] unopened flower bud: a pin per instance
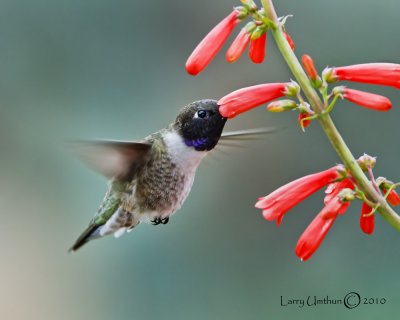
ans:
(309, 67)
(250, 4)
(328, 75)
(292, 89)
(243, 12)
(366, 161)
(281, 105)
(289, 40)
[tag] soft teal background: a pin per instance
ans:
(115, 69)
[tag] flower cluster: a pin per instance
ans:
(341, 190)
(253, 33)
(343, 184)
(276, 204)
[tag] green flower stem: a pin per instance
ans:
(326, 121)
(332, 104)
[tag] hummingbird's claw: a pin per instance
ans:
(158, 220)
(165, 220)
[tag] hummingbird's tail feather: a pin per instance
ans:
(91, 233)
(120, 222)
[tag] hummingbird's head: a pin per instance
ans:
(200, 124)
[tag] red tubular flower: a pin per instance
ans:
(309, 67)
(393, 197)
(276, 204)
(366, 220)
(385, 74)
(211, 44)
(238, 46)
(247, 98)
(365, 99)
(315, 233)
(289, 40)
(257, 49)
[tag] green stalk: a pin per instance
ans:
(326, 121)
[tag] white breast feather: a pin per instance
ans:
(186, 157)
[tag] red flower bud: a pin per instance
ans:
(211, 44)
(393, 197)
(238, 46)
(366, 161)
(276, 204)
(309, 67)
(257, 49)
(365, 99)
(315, 233)
(385, 74)
(304, 123)
(366, 219)
(247, 98)
(289, 40)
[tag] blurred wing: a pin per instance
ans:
(112, 159)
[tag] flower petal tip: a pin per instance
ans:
(192, 70)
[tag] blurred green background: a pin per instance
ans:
(115, 69)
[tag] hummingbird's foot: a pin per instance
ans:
(165, 220)
(158, 220)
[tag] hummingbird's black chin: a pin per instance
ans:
(200, 124)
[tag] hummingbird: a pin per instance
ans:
(150, 179)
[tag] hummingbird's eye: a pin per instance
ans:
(201, 114)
